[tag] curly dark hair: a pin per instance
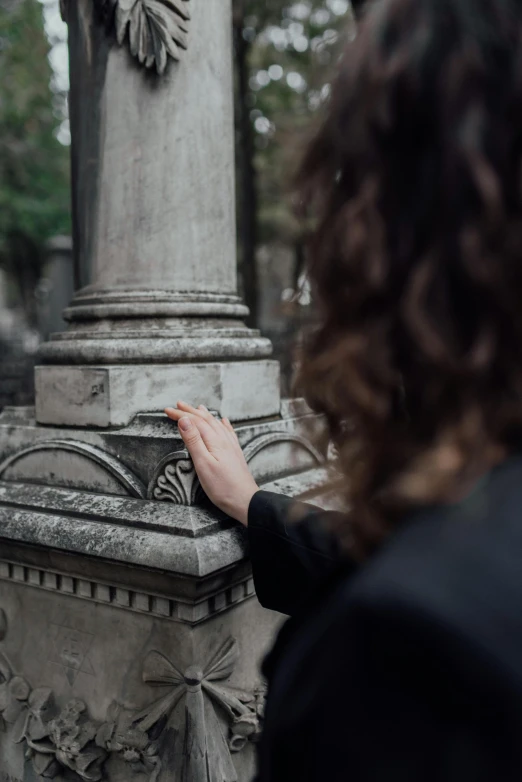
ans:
(413, 186)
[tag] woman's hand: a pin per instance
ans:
(218, 459)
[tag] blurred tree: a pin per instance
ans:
(34, 166)
(284, 53)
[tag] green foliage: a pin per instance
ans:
(293, 52)
(34, 166)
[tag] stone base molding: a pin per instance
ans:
(111, 396)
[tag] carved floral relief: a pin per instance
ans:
(120, 734)
(219, 720)
(53, 739)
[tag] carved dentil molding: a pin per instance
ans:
(102, 593)
(154, 29)
(64, 739)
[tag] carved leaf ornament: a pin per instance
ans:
(175, 480)
(156, 29)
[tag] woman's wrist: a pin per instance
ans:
(239, 506)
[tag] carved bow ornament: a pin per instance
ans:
(206, 753)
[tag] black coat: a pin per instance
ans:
(407, 669)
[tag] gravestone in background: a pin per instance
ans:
(18, 345)
(130, 635)
(56, 286)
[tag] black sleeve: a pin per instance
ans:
(291, 550)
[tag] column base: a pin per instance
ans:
(112, 395)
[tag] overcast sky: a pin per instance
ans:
(56, 30)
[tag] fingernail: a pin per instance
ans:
(168, 410)
(185, 424)
(202, 407)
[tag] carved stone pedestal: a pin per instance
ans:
(130, 635)
(99, 681)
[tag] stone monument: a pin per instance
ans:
(130, 635)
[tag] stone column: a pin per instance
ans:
(154, 222)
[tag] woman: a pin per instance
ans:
(403, 656)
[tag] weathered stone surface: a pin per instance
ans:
(128, 530)
(133, 459)
(110, 691)
(153, 161)
(154, 231)
(183, 540)
(70, 462)
(119, 345)
(113, 395)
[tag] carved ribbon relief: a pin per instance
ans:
(219, 720)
